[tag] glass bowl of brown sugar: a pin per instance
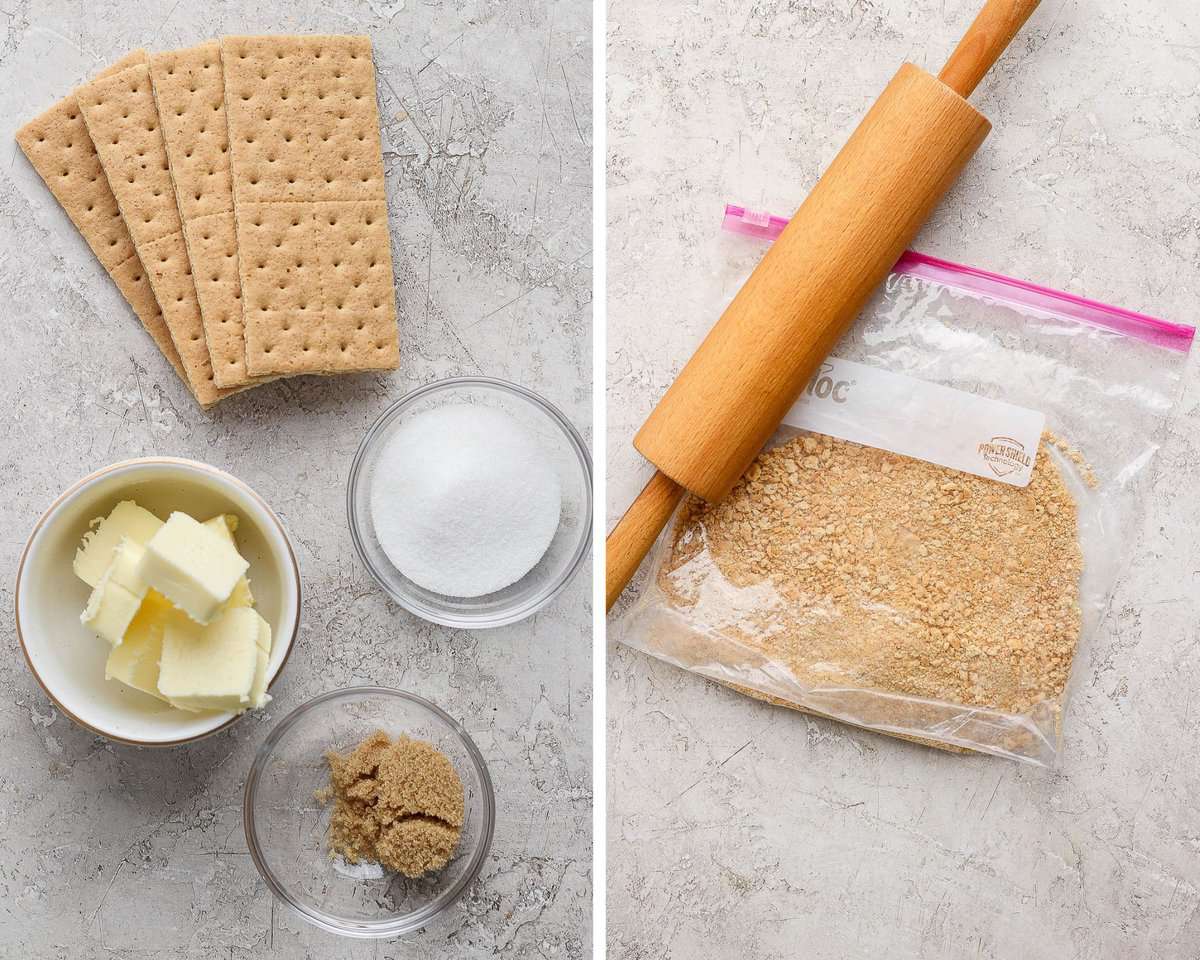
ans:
(291, 802)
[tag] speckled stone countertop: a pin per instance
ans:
(738, 829)
(114, 852)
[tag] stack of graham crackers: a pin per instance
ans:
(234, 192)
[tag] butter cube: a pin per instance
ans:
(225, 524)
(135, 661)
(210, 667)
(115, 600)
(127, 521)
(193, 567)
(258, 690)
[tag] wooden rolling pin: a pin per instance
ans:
(812, 283)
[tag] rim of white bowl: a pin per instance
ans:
(91, 478)
(366, 929)
(438, 615)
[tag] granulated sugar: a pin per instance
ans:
(888, 573)
(464, 500)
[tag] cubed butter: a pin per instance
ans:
(118, 595)
(258, 690)
(211, 667)
(192, 566)
(127, 521)
(135, 661)
(225, 524)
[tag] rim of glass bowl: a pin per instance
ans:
(366, 929)
(435, 614)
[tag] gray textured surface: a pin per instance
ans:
(107, 851)
(737, 829)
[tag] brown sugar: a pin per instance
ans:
(396, 802)
(854, 567)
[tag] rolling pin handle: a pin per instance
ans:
(984, 41)
(635, 533)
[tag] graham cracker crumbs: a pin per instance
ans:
(396, 802)
(1068, 451)
(876, 571)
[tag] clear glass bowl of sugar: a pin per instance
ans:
(286, 823)
(559, 457)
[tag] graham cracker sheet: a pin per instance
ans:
(123, 121)
(190, 92)
(60, 149)
(309, 202)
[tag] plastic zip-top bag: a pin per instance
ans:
(937, 525)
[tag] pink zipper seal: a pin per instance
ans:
(995, 286)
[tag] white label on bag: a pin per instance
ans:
(922, 420)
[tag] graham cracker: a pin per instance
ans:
(310, 206)
(60, 149)
(190, 92)
(123, 121)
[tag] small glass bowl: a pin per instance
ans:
(286, 825)
(562, 559)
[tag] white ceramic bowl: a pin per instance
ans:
(68, 659)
